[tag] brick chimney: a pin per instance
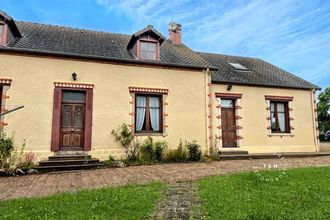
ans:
(175, 33)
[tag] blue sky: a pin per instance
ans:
(292, 34)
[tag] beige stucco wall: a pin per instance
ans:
(256, 137)
(33, 84)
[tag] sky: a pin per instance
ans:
(292, 34)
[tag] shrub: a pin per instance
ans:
(6, 147)
(12, 162)
(177, 155)
(151, 151)
(194, 151)
(147, 152)
(29, 160)
(159, 148)
(125, 136)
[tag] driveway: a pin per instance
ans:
(51, 183)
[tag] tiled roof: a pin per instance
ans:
(260, 72)
(65, 40)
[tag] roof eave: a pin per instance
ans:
(264, 85)
(101, 58)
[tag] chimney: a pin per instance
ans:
(175, 33)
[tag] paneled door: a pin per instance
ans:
(228, 123)
(72, 120)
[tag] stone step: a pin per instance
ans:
(68, 162)
(233, 152)
(69, 157)
(67, 167)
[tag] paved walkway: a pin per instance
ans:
(48, 184)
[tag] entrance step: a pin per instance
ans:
(68, 162)
(233, 152)
(69, 157)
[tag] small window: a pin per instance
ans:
(74, 96)
(238, 66)
(1, 32)
(148, 50)
(227, 103)
(148, 112)
(279, 117)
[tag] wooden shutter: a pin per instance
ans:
(88, 120)
(55, 142)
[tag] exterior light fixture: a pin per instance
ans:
(74, 76)
(229, 87)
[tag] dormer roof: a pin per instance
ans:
(149, 30)
(11, 23)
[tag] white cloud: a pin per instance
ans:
(292, 34)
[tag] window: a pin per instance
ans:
(148, 50)
(227, 103)
(1, 32)
(148, 114)
(238, 66)
(279, 117)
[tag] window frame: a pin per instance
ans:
(286, 117)
(148, 40)
(148, 129)
(3, 37)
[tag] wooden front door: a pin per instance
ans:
(228, 123)
(72, 127)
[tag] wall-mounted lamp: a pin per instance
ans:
(74, 76)
(229, 87)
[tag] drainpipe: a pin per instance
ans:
(315, 122)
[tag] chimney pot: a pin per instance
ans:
(175, 32)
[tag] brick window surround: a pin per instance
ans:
(142, 91)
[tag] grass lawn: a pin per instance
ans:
(128, 202)
(298, 194)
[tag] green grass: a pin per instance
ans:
(298, 194)
(128, 202)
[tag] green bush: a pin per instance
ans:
(6, 146)
(177, 155)
(159, 148)
(125, 136)
(11, 160)
(194, 151)
(147, 150)
(152, 152)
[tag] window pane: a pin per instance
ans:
(151, 56)
(74, 96)
(226, 103)
(152, 47)
(141, 101)
(273, 121)
(280, 107)
(154, 102)
(272, 107)
(281, 121)
(144, 46)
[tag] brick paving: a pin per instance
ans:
(51, 183)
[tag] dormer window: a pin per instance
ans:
(148, 50)
(145, 44)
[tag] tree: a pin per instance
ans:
(323, 110)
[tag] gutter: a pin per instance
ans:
(101, 58)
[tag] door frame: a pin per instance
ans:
(233, 109)
(57, 105)
(233, 96)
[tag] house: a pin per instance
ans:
(78, 85)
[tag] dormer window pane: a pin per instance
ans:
(148, 50)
